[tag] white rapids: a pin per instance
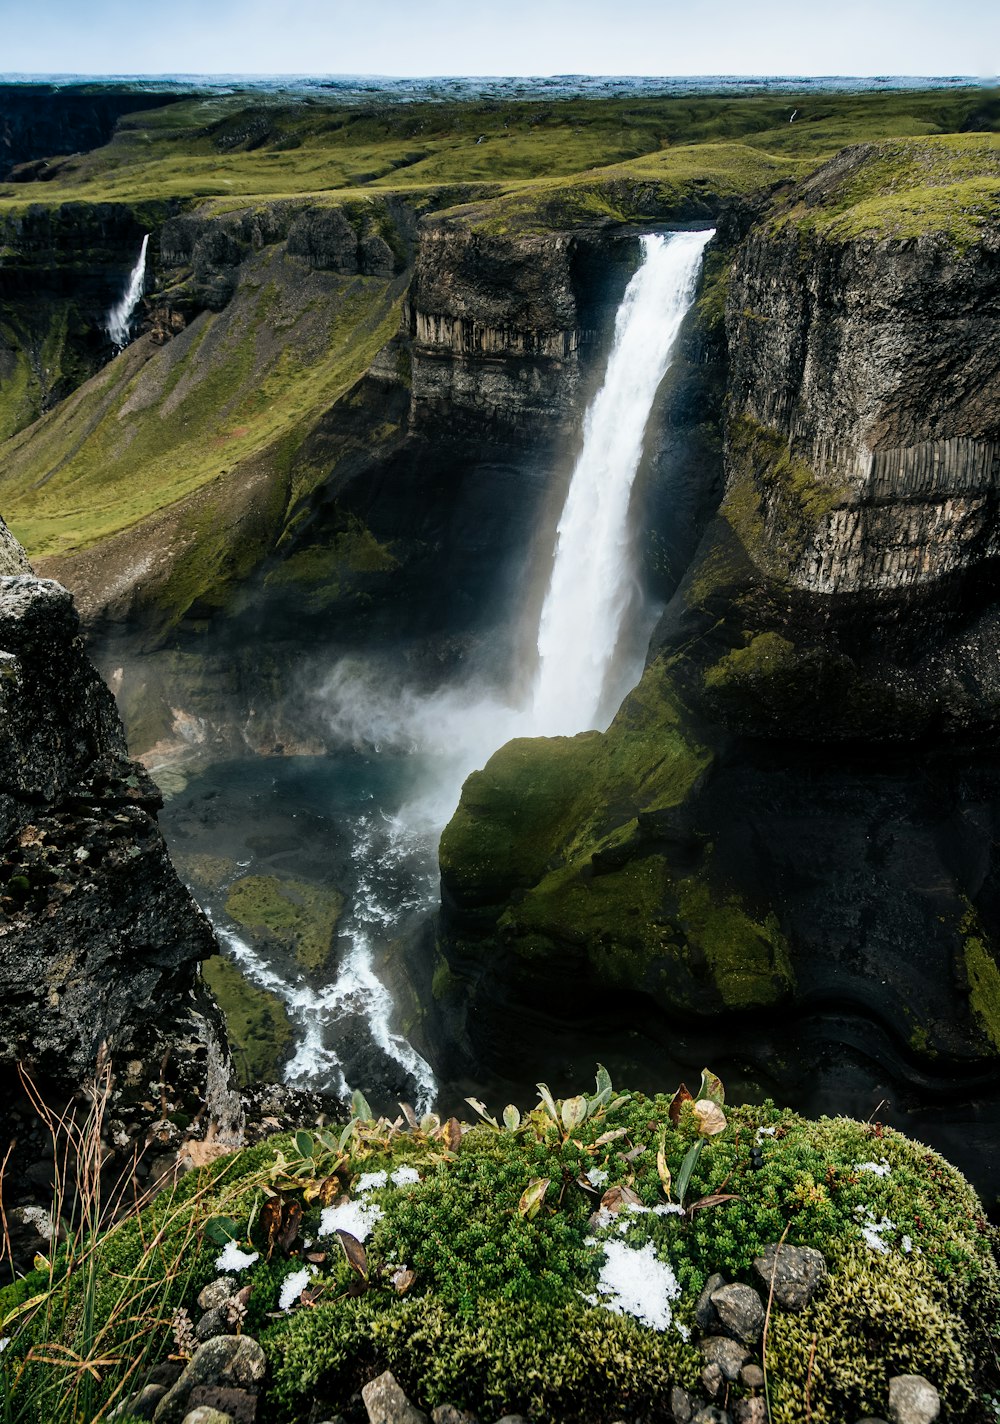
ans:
(119, 321)
(578, 686)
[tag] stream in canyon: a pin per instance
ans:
(368, 819)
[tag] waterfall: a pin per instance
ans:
(592, 575)
(119, 322)
(343, 1029)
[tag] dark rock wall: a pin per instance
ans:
(100, 944)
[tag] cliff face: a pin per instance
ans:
(100, 942)
(790, 827)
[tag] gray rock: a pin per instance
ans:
(216, 1293)
(214, 1322)
(448, 1414)
(141, 1405)
(205, 1414)
(913, 1400)
(740, 1310)
(13, 559)
(228, 1361)
(751, 1411)
(729, 1355)
(712, 1380)
(711, 1414)
(387, 1404)
(704, 1312)
(681, 1405)
(797, 1273)
(752, 1377)
(512, 1419)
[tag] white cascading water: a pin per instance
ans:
(593, 572)
(587, 600)
(119, 322)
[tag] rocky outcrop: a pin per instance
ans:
(100, 944)
(785, 843)
(38, 121)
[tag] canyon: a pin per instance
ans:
(347, 422)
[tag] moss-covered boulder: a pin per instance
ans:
(548, 1264)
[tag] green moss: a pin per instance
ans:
(775, 501)
(327, 573)
(984, 987)
(259, 1030)
(747, 957)
(766, 655)
(302, 916)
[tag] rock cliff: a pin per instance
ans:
(100, 944)
(790, 827)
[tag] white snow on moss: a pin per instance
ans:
(293, 1286)
(635, 1282)
(355, 1217)
(878, 1169)
(597, 1176)
(405, 1177)
(370, 1181)
(231, 1258)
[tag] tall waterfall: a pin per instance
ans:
(592, 574)
(344, 1027)
(119, 322)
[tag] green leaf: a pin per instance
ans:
(345, 1136)
(221, 1229)
(532, 1197)
(483, 1112)
(574, 1112)
(511, 1118)
(603, 1081)
(687, 1167)
(548, 1101)
(359, 1106)
(711, 1087)
(304, 1143)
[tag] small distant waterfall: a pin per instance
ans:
(593, 575)
(119, 322)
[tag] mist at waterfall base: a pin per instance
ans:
(119, 319)
(379, 804)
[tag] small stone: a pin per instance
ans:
(387, 1404)
(704, 1312)
(741, 1312)
(141, 1405)
(797, 1273)
(204, 1414)
(681, 1405)
(228, 1361)
(449, 1414)
(913, 1400)
(512, 1419)
(751, 1411)
(216, 1293)
(752, 1377)
(729, 1355)
(214, 1322)
(239, 1404)
(712, 1380)
(711, 1415)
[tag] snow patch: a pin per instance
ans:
(293, 1286)
(405, 1177)
(355, 1217)
(878, 1169)
(635, 1282)
(231, 1258)
(597, 1176)
(370, 1182)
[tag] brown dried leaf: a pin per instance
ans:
(716, 1199)
(410, 1116)
(613, 1136)
(403, 1280)
(329, 1189)
(681, 1097)
(315, 1258)
(291, 1221)
(357, 1256)
(453, 1134)
(615, 1199)
(270, 1221)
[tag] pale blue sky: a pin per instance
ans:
(531, 37)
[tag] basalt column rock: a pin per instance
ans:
(100, 943)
